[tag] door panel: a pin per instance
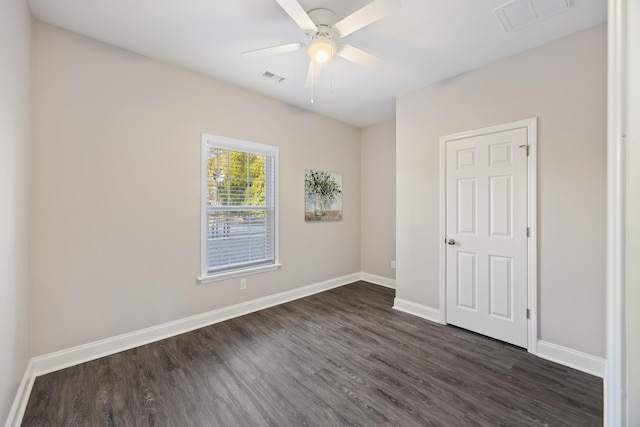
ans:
(500, 206)
(467, 278)
(466, 157)
(486, 215)
(499, 153)
(467, 206)
(500, 286)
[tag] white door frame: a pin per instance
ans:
(532, 209)
(616, 381)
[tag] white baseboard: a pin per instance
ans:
(22, 397)
(572, 358)
(84, 353)
(378, 280)
(419, 310)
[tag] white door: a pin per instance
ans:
(486, 234)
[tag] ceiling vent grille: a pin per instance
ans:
(518, 14)
(273, 77)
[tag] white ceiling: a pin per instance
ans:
(424, 42)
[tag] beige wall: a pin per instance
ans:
(15, 28)
(378, 209)
(563, 83)
(116, 190)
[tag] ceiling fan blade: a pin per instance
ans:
(313, 75)
(297, 13)
(273, 50)
(369, 14)
(361, 57)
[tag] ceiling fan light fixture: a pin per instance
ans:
(321, 49)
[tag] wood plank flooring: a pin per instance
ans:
(342, 357)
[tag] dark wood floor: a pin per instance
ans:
(343, 357)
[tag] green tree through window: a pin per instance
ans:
(236, 178)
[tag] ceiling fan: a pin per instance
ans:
(323, 29)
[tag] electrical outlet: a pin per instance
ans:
(243, 284)
(393, 264)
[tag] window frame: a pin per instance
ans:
(209, 140)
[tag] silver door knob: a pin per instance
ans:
(451, 242)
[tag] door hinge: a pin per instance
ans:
(528, 314)
(528, 232)
(526, 148)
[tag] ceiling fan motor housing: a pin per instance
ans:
(323, 17)
(322, 47)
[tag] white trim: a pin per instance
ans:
(426, 312)
(616, 387)
(203, 203)
(532, 208)
(239, 273)
(572, 358)
(442, 223)
(532, 243)
(84, 353)
(237, 144)
(22, 397)
(378, 280)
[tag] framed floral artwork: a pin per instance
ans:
(323, 195)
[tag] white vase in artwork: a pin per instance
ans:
(320, 209)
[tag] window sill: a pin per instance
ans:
(239, 273)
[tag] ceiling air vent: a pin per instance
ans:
(518, 14)
(273, 77)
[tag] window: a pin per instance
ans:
(238, 208)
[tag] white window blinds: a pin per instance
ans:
(239, 212)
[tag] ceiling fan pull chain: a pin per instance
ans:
(330, 78)
(312, 86)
